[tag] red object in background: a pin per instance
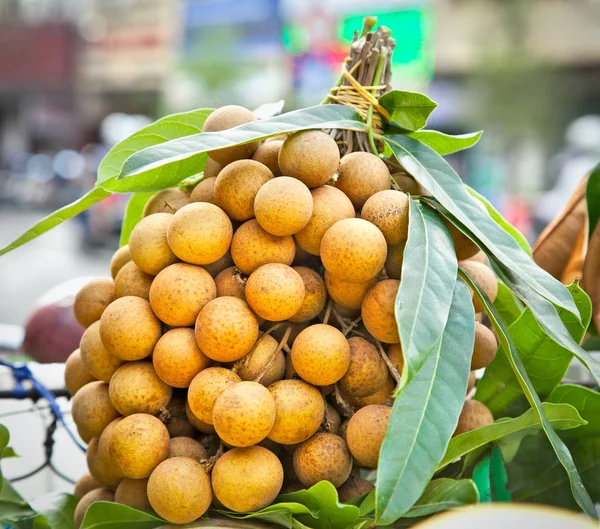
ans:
(518, 213)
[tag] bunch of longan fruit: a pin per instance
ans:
(247, 344)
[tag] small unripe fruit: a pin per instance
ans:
(365, 434)
(474, 415)
(377, 311)
(148, 244)
(361, 175)
(205, 389)
(119, 259)
(92, 299)
(367, 372)
(388, 210)
(324, 456)
(76, 374)
(166, 201)
(224, 118)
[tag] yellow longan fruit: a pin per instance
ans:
(321, 355)
(100, 465)
(177, 424)
(84, 503)
(199, 425)
(268, 154)
(166, 201)
(388, 210)
(134, 493)
(212, 168)
(76, 374)
(365, 434)
(226, 329)
(393, 262)
(98, 360)
(367, 372)
(205, 389)
(252, 247)
(474, 415)
(214, 269)
(330, 205)
(347, 293)
(129, 329)
(138, 444)
(485, 279)
(395, 356)
(200, 233)
(92, 410)
(224, 118)
(311, 156)
(121, 257)
(315, 295)
(84, 484)
(361, 175)
(377, 311)
(187, 447)
(204, 191)
(136, 388)
(148, 244)
(92, 299)
(131, 281)
(247, 479)
(244, 414)
(179, 490)
(485, 348)
(255, 362)
(353, 250)
(325, 456)
(230, 282)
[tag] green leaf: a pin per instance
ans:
(429, 273)
(578, 490)
(12, 506)
(443, 494)
(408, 110)
(58, 217)
(107, 515)
(425, 414)
(445, 144)
(561, 416)
(133, 214)
(57, 510)
(278, 513)
(8, 452)
(507, 304)
(592, 197)
(586, 402)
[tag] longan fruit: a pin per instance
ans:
(101, 467)
(252, 247)
(388, 210)
(474, 415)
(224, 118)
(214, 269)
(226, 329)
(134, 493)
(348, 294)
(299, 411)
(472, 381)
(268, 154)
(136, 388)
(84, 484)
(187, 447)
(315, 295)
(76, 374)
(92, 299)
(367, 372)
(311, 156)
(325, 456)
(179, 490)
(148, 244)
(212, 168)
(199, 425)
(92, 410)
(204, 191)
(377, 311)
(255, 362)
(230, 282)
(131, 281)
(129, 328)
(395, 356)
(334, 421)
(464, 247)
(247, 479)
(485, 348)
(205, 389)
(97, 359)
(330, 205)
(353, 250)
(484, 278)
(138, 444)
(120, 258)
(177, 423)
(244, 414)
(321, 355)
(407, 183)
(354, 487)
(361, 175)
(166, 201)
(200, 233)
(480, 257)
(84, 503)
(365, 434)
(382, 396)
(394, 259)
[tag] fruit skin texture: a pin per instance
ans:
(275, 291)
(198, 424)
(485, 347)
(179, 292)
(299, 411)
(311, 156)
(377, 311)
(388, 210)
(178, 424)
(361, 175)
(252, 247)
(131, 281)
(175, 198)
(129, 329)
(353, 250)
(253, 364)
(325, 456)
(76, 374)
(204, 191)
(92, 299)
(212, 168)
(133, 492)
(347, 293)
(393, 262)
(100, 464)
(268, 154)
(218, 266)
(315, 295)
(138, 444)
(367, 372)
(200, 246)
(484, 278)
(148, 244)
(321, 355)
(395, 356)
(464, 247)
(179, 490)
(365, 433)
(474, 415)
(187, 447)
(119, 259)
(226, 329)
(382, 396)
(206, 388)
(230, 282)
(84, 484)
(136, 388)
(247, 479)
(244, 414)
(91, 497)
(283, 206)
(92, 410)
(354, 486)
(98, 360)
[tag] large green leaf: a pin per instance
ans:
(4, 439)
(578, 490)
(428, 276)
(425, 414)
(408, 110)
(12, 507)
(107, 515)
(445, 144)
(443, 494)
(592, 197)
(56, 511)
(133, 214)
(586, 402)
(507, 304)
(279, 513)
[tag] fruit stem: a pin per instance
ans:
(391, 367)
(345, 408)
(280, 346)
(327, 313)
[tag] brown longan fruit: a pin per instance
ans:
(247, 479)
(212, 168)
(200, 233)
(268, 154)
(129, 329)
(330, 205)
(365, 434)
(257, 360)
(377, 311)
(179, 490)
(485, 347)
(92, 299)
(474, 415)
(98, 458)
(92, 410)
(166, 201)
(407, 183)
(138, 444)
(136, 388)
(84, 484)
(177, 424)
(244, 414)
(367, 372)
(226, 329)
(382, 396)
(187, 447)
(76, 374)
(354, 487)
(206, 387)
(347, 293)
(299, 411)
(224, 118)
(199, 425)
(393, 262)
(120, 258)
(252, 247)
(311, 156)
(275, 291)
(388, 210)
(134, 493)
(315, 295)
(361, 175)
(353, 250)
(321, 355)
(464, 247)
(98, 360)
(485, 279)
(91, 497)
(214, 269)
(472, 381)
(204, 191)
(395, 356)
(230, 282)
(334, 421)
(131, 281)
(325, 456)
(148, 244)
